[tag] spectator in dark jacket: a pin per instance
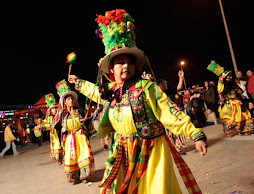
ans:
(251, 109)
(179, 101)
(209, 96)
(198, 110)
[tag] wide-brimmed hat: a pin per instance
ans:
(226, 73)
(64, 90)
(137, 53)
(117, 31)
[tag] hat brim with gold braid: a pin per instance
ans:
(117, 31)
(50, 100)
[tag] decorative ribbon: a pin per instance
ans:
(73, 145)
(185, 172)
(234, 103)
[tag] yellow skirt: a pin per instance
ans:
(232, 113)
(159, 176)
(55, 145)
(84, 155)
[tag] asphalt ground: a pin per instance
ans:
(227, 168)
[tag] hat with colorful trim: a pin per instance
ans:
(217, 69)
(63, 90)
(50, 100)
(117, 31)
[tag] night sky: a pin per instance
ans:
(37, 37)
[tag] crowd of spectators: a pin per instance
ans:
(201, 102)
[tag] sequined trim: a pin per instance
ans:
(198, 136)
(145, 129)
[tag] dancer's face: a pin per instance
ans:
(69, 102)
(163, 85)
(53, 111)
(229, 78)
(251, 105)
(123, 67)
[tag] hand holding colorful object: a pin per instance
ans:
(70, 59)
(72, 79)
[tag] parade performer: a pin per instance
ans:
(78, 156)
(232, 113)
(38, 130)
(55, 145)
(135, 110)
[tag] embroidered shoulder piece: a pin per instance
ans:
(144, 129)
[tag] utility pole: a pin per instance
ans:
(228, 37)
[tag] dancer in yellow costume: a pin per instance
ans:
(233, 114)
(136, 110)
(78, 156)
(56, 150)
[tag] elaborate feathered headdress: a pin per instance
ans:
(63, 90)
(50, 100)
(217, 69)
(117, 31)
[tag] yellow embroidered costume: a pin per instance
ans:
(78, 156)
(55, 145)
(231, 111)
(82, 160)
(154, 173)
(140, 155)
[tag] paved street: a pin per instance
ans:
(226, 169)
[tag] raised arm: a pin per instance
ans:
(47, 122)
(180, 82)
(87, 88)
(220, 86)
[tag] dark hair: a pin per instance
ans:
(68, 96)
(132, 58)
(109, 95)
(7, 123)
(105, 93)
(160, 81)
(209, 85)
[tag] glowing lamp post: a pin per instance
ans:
(182, 63)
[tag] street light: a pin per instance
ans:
(182, 63)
